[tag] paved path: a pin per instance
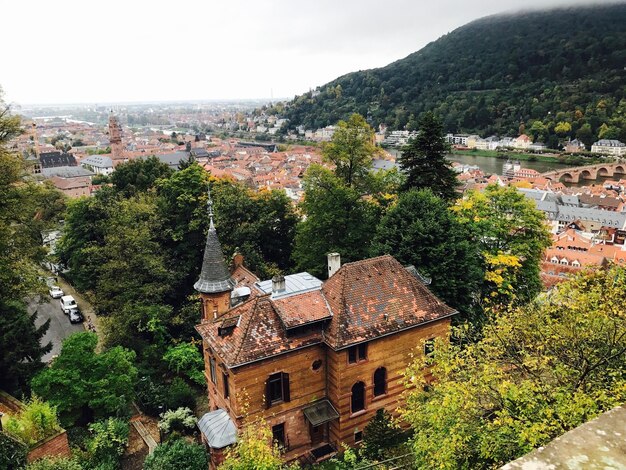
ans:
(144, 433)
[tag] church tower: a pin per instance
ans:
(215, 283)
(115, 137)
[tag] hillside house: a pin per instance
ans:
(314, 359)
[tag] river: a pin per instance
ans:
(493, 166)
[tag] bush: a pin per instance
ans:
(55, 464)
(156, 398)
(35, 422)
(180, 420)
(177, 454)
(12, 452)
(108, 441)
(180, 395)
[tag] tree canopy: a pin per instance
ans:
(490, 76)
(83, 384)
(338, 219)
(177, 454)
(421, 230)
(423, 160)
(538, 371)
(351, 150)
(26, 209)
(512, 236)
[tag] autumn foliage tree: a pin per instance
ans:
(538, 371)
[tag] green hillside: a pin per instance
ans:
(540, 68)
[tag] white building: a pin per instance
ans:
(99, 164)
(609, 147)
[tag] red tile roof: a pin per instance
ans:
(376, 297)
(300, 309)
(260, 334)
(362, 301)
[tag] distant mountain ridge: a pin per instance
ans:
(535, 69)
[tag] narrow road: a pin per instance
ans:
(60, 326)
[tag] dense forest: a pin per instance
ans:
(555, 74)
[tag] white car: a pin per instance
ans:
(55, 292)
(67, 303)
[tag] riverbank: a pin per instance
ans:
(571, 160)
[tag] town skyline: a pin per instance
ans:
(157, 52)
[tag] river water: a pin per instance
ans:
(493, 166)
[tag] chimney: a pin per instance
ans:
(278, 284)
(237, 260)
(334, 263)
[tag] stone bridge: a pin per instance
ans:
(591, 172)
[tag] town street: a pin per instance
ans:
(60, 326)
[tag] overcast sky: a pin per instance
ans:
(88, 51)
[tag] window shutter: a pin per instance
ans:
(268, 402)
(286, 396)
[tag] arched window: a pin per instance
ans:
(380, 381)
(358, 397)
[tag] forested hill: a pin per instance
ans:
(490, 75)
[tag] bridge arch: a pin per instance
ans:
(586, 175)
(602, 171)
(566, 178)
(619, 169)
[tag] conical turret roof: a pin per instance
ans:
(215, 276)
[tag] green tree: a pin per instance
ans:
(186, 359)
(563, 128)
(512, 236)
(585, 135)
(421, 230)
(176, 454)
(83, 384)
(351, 150)
(338, 219)
(424, 160)
(254, 450)
(139, 175)
(26, 208)
(260, 225)
(132, 266)
(380, 435)
(538, 371)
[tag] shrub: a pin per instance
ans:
(180, 395)
(35, 422)
(12, 452)
(54, 464)
(108, 442)
(180, 420)
(177, 454)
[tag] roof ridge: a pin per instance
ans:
(247, 327)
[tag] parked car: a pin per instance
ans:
(56, 292)
(67, 303)
(75, 315)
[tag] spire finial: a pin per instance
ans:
(210, 206)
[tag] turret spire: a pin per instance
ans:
(215, 276)
(210, 206)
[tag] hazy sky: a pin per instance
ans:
(74, 51)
